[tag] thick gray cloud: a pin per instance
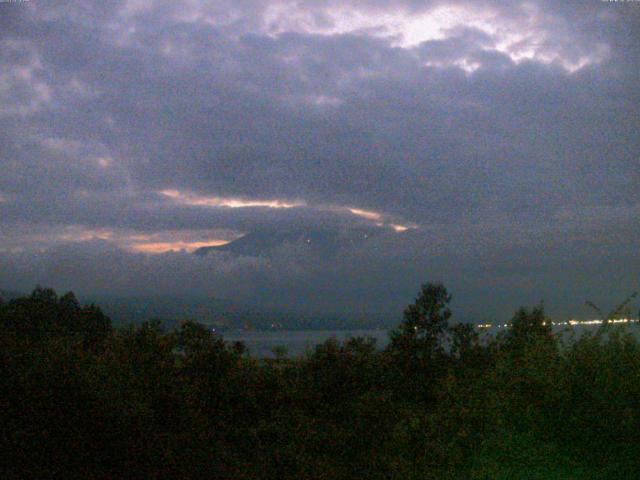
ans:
(506, 132)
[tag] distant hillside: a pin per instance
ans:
(218, 313)
(221, 314)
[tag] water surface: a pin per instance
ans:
(298, 342)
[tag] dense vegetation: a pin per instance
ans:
(79, 399)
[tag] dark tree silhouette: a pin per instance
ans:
(527, 327)
(464, 338)
(79, 400)
(425, 321)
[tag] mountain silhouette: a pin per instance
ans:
(265, 243)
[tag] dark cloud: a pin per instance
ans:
(460, 118)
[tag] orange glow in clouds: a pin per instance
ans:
(162, 247)
(150, 243)
(368, 214)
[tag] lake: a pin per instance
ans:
(297, 342)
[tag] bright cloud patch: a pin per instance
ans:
(369, 215)
(226, 202)
(533, 36)
(184, 198)
(523, 32)
(161, 247)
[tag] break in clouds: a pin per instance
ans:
(490, 145)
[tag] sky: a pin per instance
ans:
(489, 145)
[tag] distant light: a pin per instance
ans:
(571, 322)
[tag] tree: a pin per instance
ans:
(417, 357)
(527, 327)
(425, 321)
(280, 352)
(43, 314)
(463, 340)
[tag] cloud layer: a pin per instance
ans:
(507, 129)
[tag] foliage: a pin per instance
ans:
(425, 321)
(81, 400)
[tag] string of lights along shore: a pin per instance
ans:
(572, 323)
